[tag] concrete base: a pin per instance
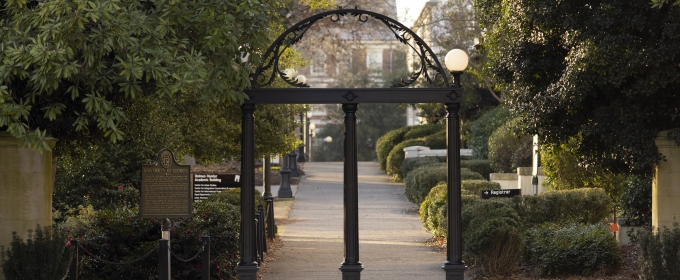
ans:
(524, 177)
(247, 272)
(454, 271)
(622, 234)
(666, 184)
(351, 271)
(506, 180)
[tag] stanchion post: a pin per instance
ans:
(164, 259)
(261, 233)
(271, 223)
(205, 258)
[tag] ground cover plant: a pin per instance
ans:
(659, 253)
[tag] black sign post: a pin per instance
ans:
(501, 193)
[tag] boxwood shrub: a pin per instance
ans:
(476, 186)
(587, 205)
(436, 141)
(420, 181)
(572, 248)
(433, 209)
(411, 164)
(396, 158)
(419, 131)
(481, 166)
(492, 235)
(385, 143)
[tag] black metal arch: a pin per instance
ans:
(448, 93)
(428, 59)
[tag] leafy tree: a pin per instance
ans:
(605, 72)
(70, 66)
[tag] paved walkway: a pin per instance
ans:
(392, 240)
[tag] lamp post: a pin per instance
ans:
(301, 147)
(456, 61)
(328, 141)
(310, 142)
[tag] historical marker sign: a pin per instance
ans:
(208, 184)
(166, 188)
(500, 193)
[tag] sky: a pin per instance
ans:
(408, 10)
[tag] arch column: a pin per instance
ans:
(454, 266)
(247, 267)
(351, 267)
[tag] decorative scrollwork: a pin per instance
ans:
(350, 96)
(430, 67)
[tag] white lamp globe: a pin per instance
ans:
(328, 139)
(290, 73)
(456, 60)
(301, 79)
(312, 126)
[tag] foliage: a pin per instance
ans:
(572, 248)
(492, 235)
(564, 170)
(120, 235)
(475, 187)
(659, 253)
(570, 68)
(436, 140)
(44, 255)
(419, 131)
(636, 201)
(433, 210)
(411, 164)
(589, 206)
(507, 150)
(70, 68)
(482, 128)
(481, 166)
(421, 180)
(385, 143)
(233, 197)
(396, 157)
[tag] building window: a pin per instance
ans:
(319, 65)
(374, 59)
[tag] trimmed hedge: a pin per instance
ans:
(492, 236)
(436, 141)
(384, 144)
(396, 158)
(572, 248)
(420, 181)
(233, 197)
(411, 164)
(476, 186)
(433, 209)
(481, 166)
(587, 205)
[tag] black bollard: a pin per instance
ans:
(205, 258)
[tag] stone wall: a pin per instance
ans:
(666, 184)
(26, 186)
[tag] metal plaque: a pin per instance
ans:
(166, 188)
(501, 193)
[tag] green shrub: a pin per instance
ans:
(482, 128)
(419, 131)
(659, 253)
(411, 164)
(476, 186)
(504, 145)
(44, 255)
(420, 181)
(396, 158)
(572, 248)
(233, 197)
(492, 235)
(636, 200)
(436, 141)
(385, 143)
(433, 209)
(120, 235)
(481, 166)
(589, 206)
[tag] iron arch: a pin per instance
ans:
(428, 59)
(445, 92)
